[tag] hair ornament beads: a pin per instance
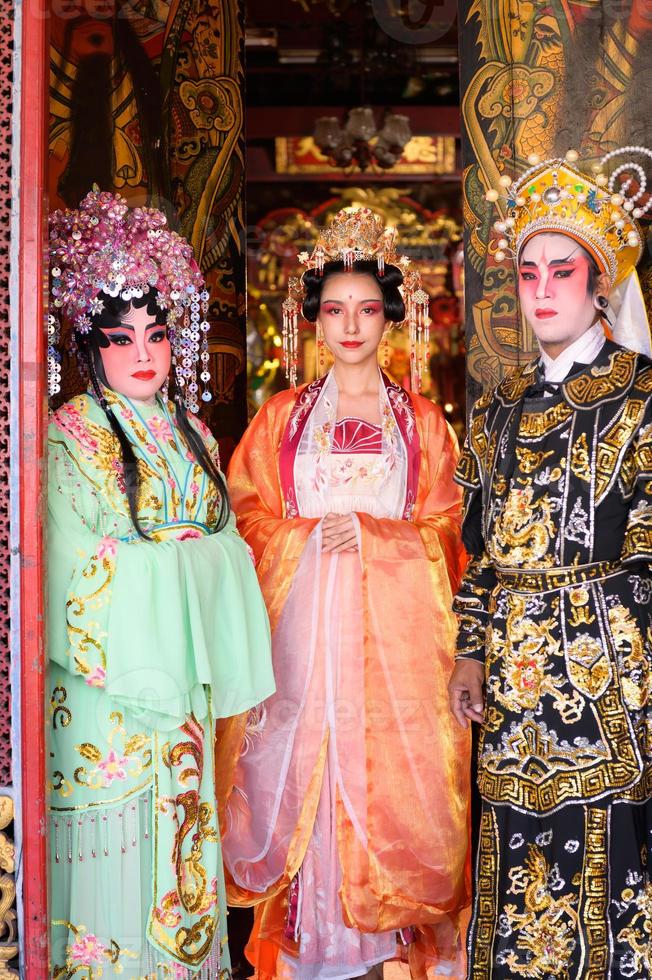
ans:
(104, 246)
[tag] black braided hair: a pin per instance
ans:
(393, 305)
(90, 344)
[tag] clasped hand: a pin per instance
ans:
(338, 533)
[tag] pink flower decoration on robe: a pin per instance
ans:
(160, 428)
(114, 766)
(107, 548)
(189, 534)
(87, 950)
(97, 677)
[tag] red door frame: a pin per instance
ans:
(33, 73)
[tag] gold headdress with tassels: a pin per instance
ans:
(356, 235)
(595, 210)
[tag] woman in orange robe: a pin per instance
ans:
(347, 823)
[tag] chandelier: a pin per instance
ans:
(359, 143)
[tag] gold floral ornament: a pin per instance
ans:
(599, 211)
(516, 90)
(209, 104)
(357, 235)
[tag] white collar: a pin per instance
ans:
(584, 350)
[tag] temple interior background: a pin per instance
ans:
(313, 68)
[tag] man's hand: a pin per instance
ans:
(338, 533)
(465, 692)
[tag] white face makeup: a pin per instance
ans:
(137, 359)
(553, 290)
(352, 317)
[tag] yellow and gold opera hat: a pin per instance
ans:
(597, 211)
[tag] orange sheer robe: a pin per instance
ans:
(417, 759)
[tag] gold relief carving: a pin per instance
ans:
(6, 854)
(602, 383)
(6, 811)
(610, 448)
(8, 919)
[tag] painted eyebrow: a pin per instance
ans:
(126, 326)
(375, 300)
(533, 265)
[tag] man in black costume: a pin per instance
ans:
(555, 639)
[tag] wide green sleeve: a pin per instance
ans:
(196, 600)
(158, 625)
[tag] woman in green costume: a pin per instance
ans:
(156, 623)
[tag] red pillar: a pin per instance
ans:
(32, 413)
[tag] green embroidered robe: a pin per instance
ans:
(149, 642)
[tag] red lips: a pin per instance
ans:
(352, 344)
(544, 314)
(144, 375)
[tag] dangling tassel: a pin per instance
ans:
(204, 357)
(290, 339)
(54, 356)
(320, 350)
(419, 328)
(385, 351)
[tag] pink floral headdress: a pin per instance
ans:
(106, 246)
